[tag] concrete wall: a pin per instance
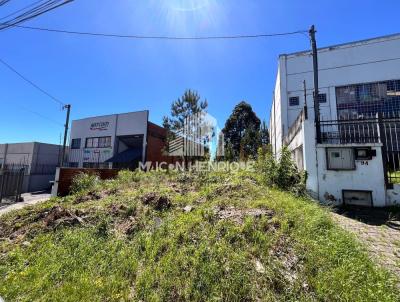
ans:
(18, 153)
(393, 196)
(40, 159)
(367, 176)
(46, 154)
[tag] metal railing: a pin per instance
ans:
(295, 128)
(358, 131)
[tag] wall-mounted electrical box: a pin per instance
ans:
(340, 159)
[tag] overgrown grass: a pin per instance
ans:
(135, 240)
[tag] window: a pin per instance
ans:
(294, 101)
(105, 142)
(340, 159)
(367, 99)
(98, 142)
(76, 143)
(346, 95)
(322, 97)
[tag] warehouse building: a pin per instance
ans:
(39, 161)
(354, 156)
(115, 141)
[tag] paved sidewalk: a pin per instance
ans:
(29, 199)
(381, 238)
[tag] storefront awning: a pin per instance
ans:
(126, 156)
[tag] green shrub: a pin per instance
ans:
(281, 172)
(84, 182)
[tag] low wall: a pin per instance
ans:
(64, 177)
(393, 196)
(368, 175)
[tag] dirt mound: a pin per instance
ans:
(59, 216)
(95, 195)
(237, 215)
(158, 202)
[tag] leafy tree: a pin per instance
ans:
(242, 133)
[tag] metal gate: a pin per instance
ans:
(11, 184)
(389, 127)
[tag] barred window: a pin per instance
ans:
(294, 101)
(322, 98)
(76, 143)
(368, 99)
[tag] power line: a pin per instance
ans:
(99, 34)
(2, 2)
(20, 10)
(30, 82)
(37, 10)
(40, 115)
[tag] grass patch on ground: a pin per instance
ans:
(183, 237)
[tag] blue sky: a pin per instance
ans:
(108, 75)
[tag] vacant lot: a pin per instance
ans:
(183, 237)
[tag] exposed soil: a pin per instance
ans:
(59, 216)
(238, 215)
(289, 262)
(94, 195)
(158, 202)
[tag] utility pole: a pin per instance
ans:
(305, 100)
(68, 107)
(316, 84)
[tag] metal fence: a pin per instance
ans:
(11, 184)
(36, 169)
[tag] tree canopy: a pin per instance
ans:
(242, 133)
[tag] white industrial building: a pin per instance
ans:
(115, 141)
(357, 155)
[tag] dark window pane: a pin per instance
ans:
(322, 97)
(76, 143)
(294, 101)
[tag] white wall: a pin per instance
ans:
(363, 62)
(365, 177)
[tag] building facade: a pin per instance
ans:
(115, 141)
(39, 161)
(359, 91)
